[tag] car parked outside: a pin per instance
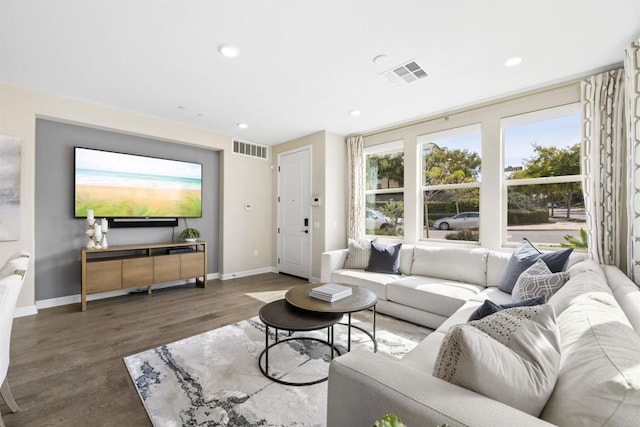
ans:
(462, 220)
(376, 220)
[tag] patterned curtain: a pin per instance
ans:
(602, 163)
(632, 101)
(355, 157)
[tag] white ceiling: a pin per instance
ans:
(303, 65)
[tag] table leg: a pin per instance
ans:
(266, 349)
(276, 334)
(375, 350)
(349, 334)
(330, 338)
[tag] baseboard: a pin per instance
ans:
(314, 280)
(75, 299)
(246, 273)
(29, 310)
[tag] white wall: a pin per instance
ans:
(243, 178)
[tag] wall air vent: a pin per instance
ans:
(250, 149)
(405, 73)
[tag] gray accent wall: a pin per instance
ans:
(59, 236)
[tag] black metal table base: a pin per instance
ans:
(369, 334)
(265, 354)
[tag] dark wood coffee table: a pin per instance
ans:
(360, 299)
(282, 315)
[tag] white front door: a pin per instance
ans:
(294, 209)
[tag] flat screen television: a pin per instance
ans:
(128, 186)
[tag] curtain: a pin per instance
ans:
(632, 102)
(355, 157)
(603, 142)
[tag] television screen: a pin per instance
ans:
(118, 185)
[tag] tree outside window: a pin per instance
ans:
(384, 189)
(542, 175)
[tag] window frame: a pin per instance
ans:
(391, 147)
(523, 119)
(445, 134)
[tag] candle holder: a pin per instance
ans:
(103, 241)
(90, 233)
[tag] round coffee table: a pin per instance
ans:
(360, 299)
(282, 315)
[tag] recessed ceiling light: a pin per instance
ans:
(243, 125)
(228, 50)
(380, 59)
(180, 107)
(355, 113)
(511, 62)
(200, 114)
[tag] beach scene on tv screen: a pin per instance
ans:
(124, 185)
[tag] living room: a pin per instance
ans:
(90, 75)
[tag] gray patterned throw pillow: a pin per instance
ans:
(358, 255)
(538, 280)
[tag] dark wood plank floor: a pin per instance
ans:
(67, 368)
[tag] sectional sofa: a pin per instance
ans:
(593, 334)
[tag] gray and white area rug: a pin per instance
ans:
(213, 379)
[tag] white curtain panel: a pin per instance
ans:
(632, 101)
(355, 157)
(603, 142)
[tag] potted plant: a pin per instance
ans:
(190, 234)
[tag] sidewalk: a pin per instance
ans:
(552, 225)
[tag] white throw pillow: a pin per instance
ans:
(512, 356)
(358, 255)
(538, 280)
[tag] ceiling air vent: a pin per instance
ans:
(405, 73)
(250, 149)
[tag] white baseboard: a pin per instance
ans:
(75, 299)
(29, 310)
(227, 276)
(314, 280)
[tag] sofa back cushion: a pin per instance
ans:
(468, 265)
(599, 378)
(406, 259)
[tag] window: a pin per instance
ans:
(451, 174)
(384, 189)
(542, 175)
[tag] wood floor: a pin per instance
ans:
(66, 365)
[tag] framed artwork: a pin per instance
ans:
(10, 162)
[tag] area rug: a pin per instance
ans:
(213, 379)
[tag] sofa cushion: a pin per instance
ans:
(436, 295)
(489, 307)
(406, 259)
(599, 378)
(358, 255)
(511, 356)
(538, 280)
(444, 263)
(376, 282)
(524, 257)
(384, 258)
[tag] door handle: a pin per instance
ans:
(305, 231)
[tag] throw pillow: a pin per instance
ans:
(384, 259)
(489, 307)
(358, 254)
(512, 356)
(524, 257)
(538, 280)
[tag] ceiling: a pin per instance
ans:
(303, 65)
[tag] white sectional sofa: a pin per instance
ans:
(598, 321)
(433, 282)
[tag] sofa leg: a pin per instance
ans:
(5, 391)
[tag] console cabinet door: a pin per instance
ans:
(192, 265)
(104, 276)
(137, 272)
(166, 268)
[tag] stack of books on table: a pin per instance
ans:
(330, 292)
